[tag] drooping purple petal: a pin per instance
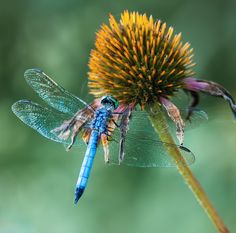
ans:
(210, 88)
(194, 84)
(174, 113)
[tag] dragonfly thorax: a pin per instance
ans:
(99, 123)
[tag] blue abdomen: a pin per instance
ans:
(86, 165)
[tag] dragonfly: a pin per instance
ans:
(126, 135)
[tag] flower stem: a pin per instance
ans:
(160, 125)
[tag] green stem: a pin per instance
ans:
(160, 125)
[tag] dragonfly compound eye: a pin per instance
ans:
(110, 100)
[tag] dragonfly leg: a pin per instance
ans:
(106, 157)
(109, 138)
(194, 102)
(73, 137)
(115, 123)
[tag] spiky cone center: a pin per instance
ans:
(138, 60)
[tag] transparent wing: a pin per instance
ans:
(196, 118)
(143, 147)
(55, 95)
(41, 119)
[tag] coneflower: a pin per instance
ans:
(138, 60)
(141, 61)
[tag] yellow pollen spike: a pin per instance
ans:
(135, 69)
(127, 55)
(144, 69)
(126, 50)
(146, 60)
(169, 33)
(171, 72)
(141, 50)
(155, 60)
(153, 72)
(158, 26)
(140, 76)
(132, 73)
(126, 41)
(163, 28)
(170, 85)
(163, 73)
(148, 45)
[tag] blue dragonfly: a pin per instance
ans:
(127, 136)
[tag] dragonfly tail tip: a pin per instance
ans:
(78, 193)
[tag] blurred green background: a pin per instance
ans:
(37, 176)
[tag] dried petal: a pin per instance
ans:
(124, 127)
(174, 114)
(105, 144)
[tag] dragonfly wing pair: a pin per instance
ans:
(141, 146)
(62, 106)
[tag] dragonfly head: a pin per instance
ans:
(110, 100)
